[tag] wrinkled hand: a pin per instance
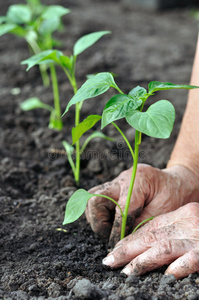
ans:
(155, 192)
(171, 238)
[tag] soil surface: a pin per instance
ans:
(38, 259)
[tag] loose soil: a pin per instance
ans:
(40, 260)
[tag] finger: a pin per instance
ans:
(139, 242)
(184, 265)
(100, 211)
(110, 189)
(116, 229)
(160, 254)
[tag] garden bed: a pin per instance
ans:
(38, 258)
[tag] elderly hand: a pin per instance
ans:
(171, 238)
(155, 192)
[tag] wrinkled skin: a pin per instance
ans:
(155, 192)
(171, 238)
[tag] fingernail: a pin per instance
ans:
(109, 260)
(126, 271)
(117, 247)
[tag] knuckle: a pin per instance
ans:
(165, 247)
(148, 238)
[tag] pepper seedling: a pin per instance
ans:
(157, 121)
(36, 23)
(68, 64)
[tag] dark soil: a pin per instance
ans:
(38, 261)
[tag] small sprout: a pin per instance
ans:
(62, 230)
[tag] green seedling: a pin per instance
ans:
(35, 23)
(157, 121)
(68, 64)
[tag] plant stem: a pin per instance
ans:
(72, 80)
(125, 138)
(141, 223)
(43, 68)
(111, 199)
(126, 209)
(77, 119)
(77, 145)
(56, 94)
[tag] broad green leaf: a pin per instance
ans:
(158, 86)
(84, 126)
(33, 103)
(19, 14)
(117, 107)
(49, 25)
(66, 62)
(96, 134)
(19, 31)
(43, 57)
(55, 121)
(88, 40)
(52, 11)
(68, 148)
(5, 28)
(76, 206)
(138, 92)
(93, 87)
(156, 122)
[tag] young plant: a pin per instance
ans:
(68, 65)
(157, 121)
(35, 23)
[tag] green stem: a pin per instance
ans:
(111, 199)
(141, 223)
(125, 138)
(77, 145)
(43, 69)
(136, 155)
(77, 120)
(56, 93)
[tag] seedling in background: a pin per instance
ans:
(68, 64)
(157, 121)
(35, 23)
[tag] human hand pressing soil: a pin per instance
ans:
(155, 192)
(171, 238)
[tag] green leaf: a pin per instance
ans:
(49, 26)
(68, 148)
(55, 121)
(93, 87)
(19, 14)
(52, 11)
(158, 86)
(117, 107)
(138, 93)
(156, 122)
(66, 62)
(76, 206)
(33, 103)
(5, 28)
(88, 40)
(84, 126)
(43, 57)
